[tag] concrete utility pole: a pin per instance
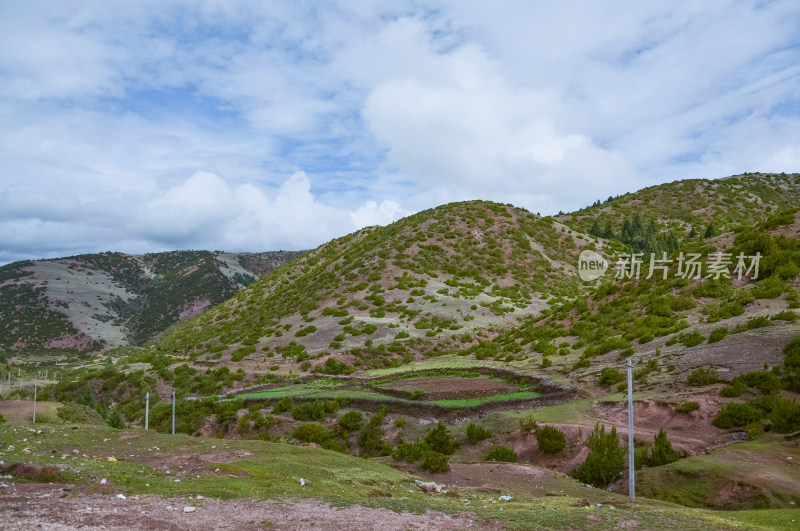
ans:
(173, 412)
(631, 471)
(34, 402)
(146, 410)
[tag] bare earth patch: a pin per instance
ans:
(436, 387)
(31, 505)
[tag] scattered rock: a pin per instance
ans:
(189, 509)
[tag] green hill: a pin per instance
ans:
(89, 302)
(383, 292)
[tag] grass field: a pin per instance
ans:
(266, 470)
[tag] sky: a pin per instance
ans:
(250, 126)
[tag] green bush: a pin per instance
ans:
(688, 407)
(691, 340)
(736, 415)
(610, 376)
(434, 462)
(283, 405)
(718, 334)
(550, 440)
(785, 416)
(439, 439)
(351, 421)
(2, 418)
(115, 420)
(663, 453)
(605, 460)
(502, 453)
(72, 412)
(417, 394)
(371, 436)
(312, 432)
(736, 388)
(703, 376)
(315, 410)
(476, 434)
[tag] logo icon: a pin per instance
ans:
(591, 265)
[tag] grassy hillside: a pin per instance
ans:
(88, 302)
(693, 204)
(381, 292)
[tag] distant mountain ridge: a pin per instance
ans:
(93, 301)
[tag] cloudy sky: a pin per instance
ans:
(155, 125)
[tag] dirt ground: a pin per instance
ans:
(24, 506)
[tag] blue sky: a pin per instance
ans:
(245, 126)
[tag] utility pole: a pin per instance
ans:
(631, 471)
(34, 402)
(173, 412)
(146, 410)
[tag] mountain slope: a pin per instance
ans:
(694, 203)
(88, 302)
(439, 273)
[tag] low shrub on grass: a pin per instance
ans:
(434, 462)
(785, 416)
(502, 453)
(476, 434)
(663, 453)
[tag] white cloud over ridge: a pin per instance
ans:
(253, 126)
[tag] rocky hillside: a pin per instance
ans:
(95, 301)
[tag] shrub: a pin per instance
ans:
(703, 376)
(527, 424)
(551, 440)
(605, 460)
(351, 421)
(72, 412)
(312, 432)
(434, 462)
(736, 415)
(439, 439)
(115, 420)
(717, 335)
(691, 340)
(663, 453)
(283, 405)
(610, 376)
(785, 416)
(688, 407)
(502, 453)
(372, 434)
(315, 410)
(335, 367)
(415, 395)
(476, 434)
(2, 418)
(736, 388)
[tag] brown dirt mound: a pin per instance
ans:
(38, 473)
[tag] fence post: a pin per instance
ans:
(146, 410)
(34, 402)
(173, 412)
(631, 467)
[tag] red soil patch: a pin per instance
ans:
(437, 387)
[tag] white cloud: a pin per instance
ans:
(159, 124)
